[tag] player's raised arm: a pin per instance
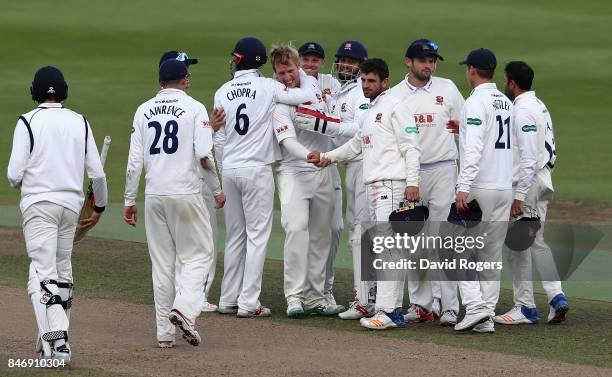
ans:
(471, 135)
(294, 96)
(135, 162)
(95, 172)
(19, 154)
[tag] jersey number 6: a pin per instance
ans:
(244, 128)
(170, 142)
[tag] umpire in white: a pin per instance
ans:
(51, 147)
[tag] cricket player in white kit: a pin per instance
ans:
(349, 103)
(435, 101)
(52, 146)
(246, 149)
(312, 60)
(213, 195)
(306, 195)
(486, 163)
(171, 134)
(387, 139)
(534, 160)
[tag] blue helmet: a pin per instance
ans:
(352, 49)
(250, 51)
(49, 83)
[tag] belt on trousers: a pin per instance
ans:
(436, 165)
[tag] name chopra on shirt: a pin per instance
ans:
(241, 93)
(175, 111)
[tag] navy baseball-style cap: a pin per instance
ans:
(177, 55)
(171, 70)
(481, 58)
(422, 48)
(312, 48)
(352, 49)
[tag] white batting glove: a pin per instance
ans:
(308, 118)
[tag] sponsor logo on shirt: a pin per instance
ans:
(327, 91)
(343, 107)
(425, 120)
(378, 118)
(474, 121)
(529, 128)
(282, 129)
(367, 141)
(206, 124)
(363, 106)
(411, 129)
(439, 100)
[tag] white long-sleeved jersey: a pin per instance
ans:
(535, 146)
(434, 105)
(284, 128)
(51, 147)
(349, 104)
(485, 140)
(170, 133)
(328, 87)
(247, 138)
(387, 139)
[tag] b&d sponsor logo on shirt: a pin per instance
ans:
(424, 120)
(529, 128)
(378, 118)
(474, 121)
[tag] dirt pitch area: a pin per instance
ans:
(116, 337)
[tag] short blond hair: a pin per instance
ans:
(284, 54)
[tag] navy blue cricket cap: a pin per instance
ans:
(422, 48)
(481, 58)
(171, 70)
(177, 55)
(312, 48)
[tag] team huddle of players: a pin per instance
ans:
(397, 145)
(398, 148)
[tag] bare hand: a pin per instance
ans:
(220, 199)
(461, 201)
(130, 215)
(314, 157)
(90, 222)
(217, 119)
(453, 126)
(411, 193)
(517, 208)
(324, 162)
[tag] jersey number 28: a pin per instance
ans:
(170, 142)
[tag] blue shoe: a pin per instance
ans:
(518, 315)
(559, 306)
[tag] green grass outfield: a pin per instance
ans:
(120, 270)
(109, 51)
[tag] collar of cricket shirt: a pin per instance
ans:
(245, 72)
(49, 105)
(426, 87)
(530, 93)
(484, 86)
(165, 91)
(375, 101)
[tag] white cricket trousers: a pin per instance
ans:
(48, 229)
(357, 211)
(482, 295)
(210, 202)
(337, 226)
(307, 204)
(248, 223)
(437, 189)
(383, 198)
(537, 198)
(179, 238)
